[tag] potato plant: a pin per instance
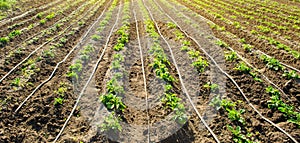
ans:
(276, 103)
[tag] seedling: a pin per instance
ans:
(112, 102)
(216, 102)
(200, 64)
(180, 117)
(179, 35)
(42, 21)
(277, 103)
(290, 74)
(48, 55)
(111, 123)
(194, 54)
(213, 87)
(14, 33)
(242, 67)
(221, 44)
(255, 77)
(17, 82)
(247, 47)
(96, 37)
(76, 67)
(58, 101)
(238, 137)
(272, 63)
(171, 100)
(61, 90)
(39, 15)
(3, 41)
(230, 56)
(50, 16)
(171, 25)
(72, 75)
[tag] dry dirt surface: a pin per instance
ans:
(168, 71)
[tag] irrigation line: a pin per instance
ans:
(46, 29)
(82, 40)
(180, 77)
(252, 49)
(6, 20)
(266, 78)
(33, 52)
(90, 78)
(144, 75)
(234, 82)
(259, 51)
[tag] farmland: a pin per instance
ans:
(150, 71)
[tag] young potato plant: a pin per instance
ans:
(111, 123)
(238, 137)
(14, 34)
(179, 35)
(221, 44)
(230, 56)
(17, 82)
(180, 117)
(161, 70)
(230, 107)
(112, 100)
(185, 45)
(247, 47)
(170, 100)
(200, 64)
(85, 53)
(48, 55)
(290, 74)
(74, 69)
(3, 41)
(96, 37)
(171, 25)
(60, 92)
(276, 103)
(213, 87)
(272, 63)
(242, 67)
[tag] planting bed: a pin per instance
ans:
(150, 71)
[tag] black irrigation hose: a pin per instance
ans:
(41, 46)
(234, 82)
(89, 80)
(181, 81)
(57, 65)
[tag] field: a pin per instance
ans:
(186, 71)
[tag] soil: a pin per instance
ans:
(40, 120)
